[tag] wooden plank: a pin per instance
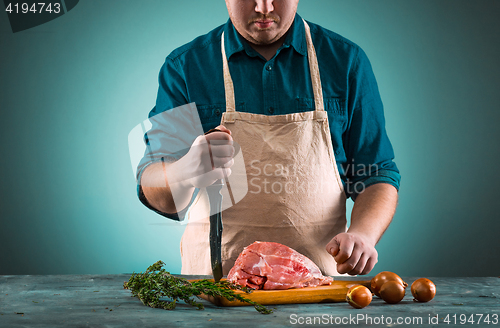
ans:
(48, 301)
(336, 292)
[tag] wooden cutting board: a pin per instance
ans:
(336, 292)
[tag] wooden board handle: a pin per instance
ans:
(336, 292)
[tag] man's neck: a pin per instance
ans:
(268, 50)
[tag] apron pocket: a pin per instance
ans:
(337, 118)
(336, 107)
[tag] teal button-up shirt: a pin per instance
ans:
(282, 85)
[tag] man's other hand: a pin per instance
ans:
(353, 253)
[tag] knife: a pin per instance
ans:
(215, 200)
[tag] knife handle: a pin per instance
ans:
(214, 192)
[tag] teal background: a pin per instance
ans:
(72, 89)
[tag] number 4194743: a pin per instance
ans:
(463, 319)
(35, 8)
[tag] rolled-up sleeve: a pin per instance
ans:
(172, 93)
(172, 128)
(370, 156)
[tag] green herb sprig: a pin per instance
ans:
(156, 283)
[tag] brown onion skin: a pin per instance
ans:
(392, 292)
(383, 277)
(423, 290)
(359, 296)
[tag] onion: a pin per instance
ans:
(359, 296)
(423, 290)
(392, 292)
(383, 277)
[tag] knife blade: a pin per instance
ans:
(215, 200)
(215, 236)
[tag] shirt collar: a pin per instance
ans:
(296, 38)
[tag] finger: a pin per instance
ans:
(333, 247)
(223, 129)
(222, 151)
(370, 264)
(221, 155)
(220, 148)
(346, 247)
(223, 162)
(360, 266)
(218, 136)
(349, 264)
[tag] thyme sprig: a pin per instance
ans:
(157, 283)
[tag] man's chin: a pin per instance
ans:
(264, 37)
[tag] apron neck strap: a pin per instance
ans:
(313, 69)
(228, 81)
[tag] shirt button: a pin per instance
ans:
(217, 112)
(269, 67)
(271, 110)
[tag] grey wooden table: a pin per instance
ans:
(101, 301)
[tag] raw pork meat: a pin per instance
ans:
(268, 265)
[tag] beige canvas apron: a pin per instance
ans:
(295, 195)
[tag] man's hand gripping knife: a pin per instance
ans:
(168, 187)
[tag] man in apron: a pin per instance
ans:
(303, 105)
